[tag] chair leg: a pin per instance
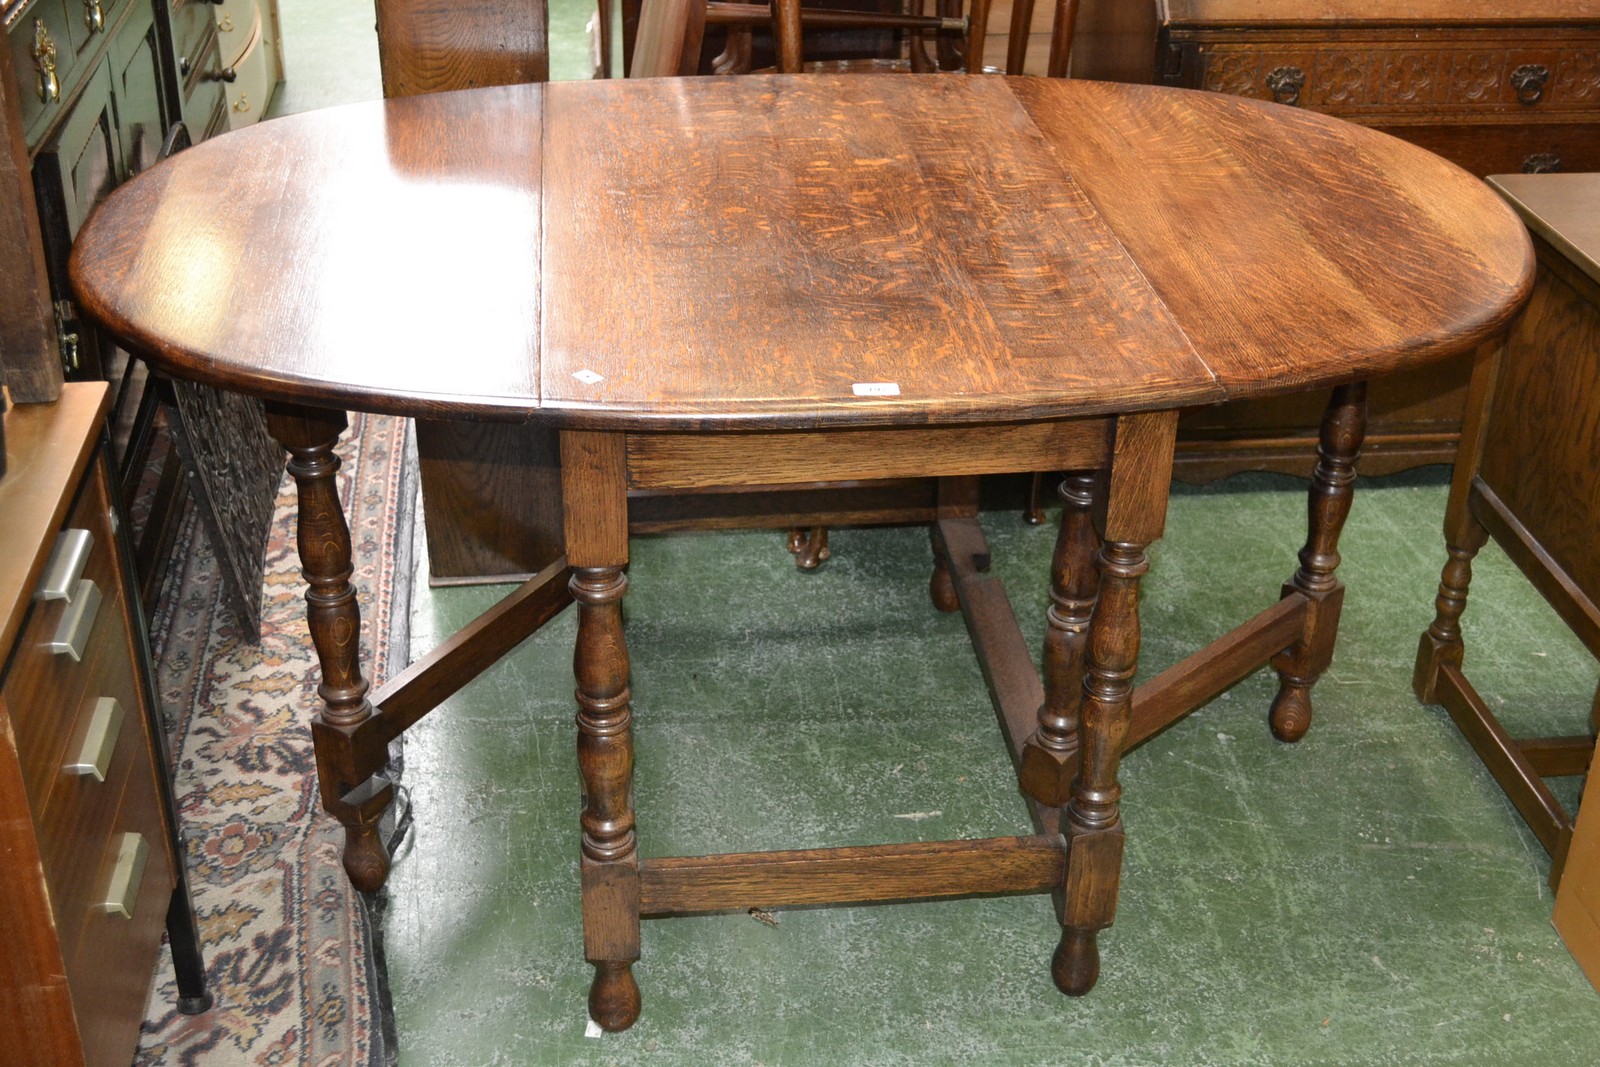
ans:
(1328, 504)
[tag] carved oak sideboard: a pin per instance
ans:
(1497, 86)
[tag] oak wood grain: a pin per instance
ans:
(1033, 272)
(427, 46)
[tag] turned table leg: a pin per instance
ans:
(1328, 505)
(1464, 535)
(356, 799)
(1050, 756)
(1135, 514)
(593, 469)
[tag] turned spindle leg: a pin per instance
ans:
(1093, 820)
(1050, 756)
(1328, 504)
(605, 762)
(1135, 509)
(594, 486)
(1441, 642)
(356, 799)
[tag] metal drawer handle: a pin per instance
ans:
(72, 633)
(67, 560)
(93, 16)
(44, 62)
(127, 870)
(1285, 84)
(1529, 81)
(96, 740)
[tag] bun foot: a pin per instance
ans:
(366, 860)
(614, 996)
(1290, 717)
(1075, 967)
(809, 546)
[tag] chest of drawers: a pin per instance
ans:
(90, 873)
(1497, 86)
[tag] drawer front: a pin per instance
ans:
(250, 94)
(1572, 147)
(238, 23)
(82, 816)
(1371, 77)
(45, 689)
(112, 965)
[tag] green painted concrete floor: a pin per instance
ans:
(1365, 897)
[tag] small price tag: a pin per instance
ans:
(876, 388)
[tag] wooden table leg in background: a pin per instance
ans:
(1050, 756)
(1135, 515)
(1328, 504)
(344, 768)
(594, 485)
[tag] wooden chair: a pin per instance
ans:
(1038, 40)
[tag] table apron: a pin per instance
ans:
(702, 460)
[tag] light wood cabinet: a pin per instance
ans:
(92, 872)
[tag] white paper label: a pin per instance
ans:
(588, 377)
(592, 1029)
(876, 388)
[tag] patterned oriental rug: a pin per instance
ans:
(291, 949)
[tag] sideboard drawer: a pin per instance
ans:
(45, 688)
(1379, 77)
(109, 963)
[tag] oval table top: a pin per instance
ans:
(796, 252)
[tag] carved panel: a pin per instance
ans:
(1578, 77)
(234, 466)
(1342, 78)
(1411, 77)
(1476, 77)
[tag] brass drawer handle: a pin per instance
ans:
(67, 560)
(1529, 81)
(96, 739)
(44, 62)
(72, 633)
(1285, 84)
(127, 870)
(93, 16)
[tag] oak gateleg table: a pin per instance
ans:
(709, 284)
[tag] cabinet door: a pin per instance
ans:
(72, 173)
(141, 118)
